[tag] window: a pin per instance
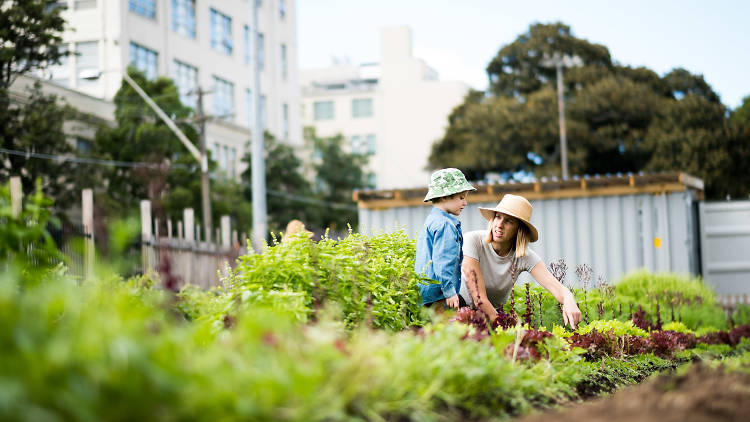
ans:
(60, 73)
(87, 63)
(370, 143)
(221, 32)
(248, 107)
(260, 51)
(186, 79)
(143, 59)
(247, 44)
(282, 9)
(285, 120)
(85, 4)
(283, 61)
(372, 180)
(183, 17)
(83, 146)
(356, 144)
(363, 144)
(362, 107)
(145, 8)
(323, 110)
(61, 4)
(223, 99)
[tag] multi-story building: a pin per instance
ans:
(200, 44)
(392, 111)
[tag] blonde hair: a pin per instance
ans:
(523, 237)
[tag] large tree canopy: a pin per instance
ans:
(32, 123)
(618, 118)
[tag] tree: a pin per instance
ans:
(619, 118)
(338, 173)
(30, 40)
(286, 187)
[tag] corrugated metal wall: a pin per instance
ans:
(725, 244)
(613, 234)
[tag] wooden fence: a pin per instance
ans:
(181, 250)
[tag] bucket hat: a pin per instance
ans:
(515, 206)
(446, 182)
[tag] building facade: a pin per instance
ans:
(200, 44)
(392, 111)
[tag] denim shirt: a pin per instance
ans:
(439, 256)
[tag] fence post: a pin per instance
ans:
(189, 225)
(16, 195)
(87, 217)
(225, 230)
(146, 235)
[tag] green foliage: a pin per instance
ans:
(25, 244)
(36, 126)
(91, 351)
(338, 173)
(693, 301)
(618, 118)
(618, 328)
(368, 278)
(30, 38)
(286, 187)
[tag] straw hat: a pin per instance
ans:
(515, 206)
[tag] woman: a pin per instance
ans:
(498, 255)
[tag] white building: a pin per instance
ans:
(392, 111)
(200, 44)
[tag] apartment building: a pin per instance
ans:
(202, 44)
(391, 111)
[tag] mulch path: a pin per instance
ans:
(700, 395)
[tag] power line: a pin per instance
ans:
(130, 164)
(83, 160)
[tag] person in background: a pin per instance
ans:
(496, 256)
(439, 245)
(294, 227)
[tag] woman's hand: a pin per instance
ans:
(571, 313)
(452, 302)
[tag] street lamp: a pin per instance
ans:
(201, 156)
(558, 61)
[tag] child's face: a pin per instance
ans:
(454, 204)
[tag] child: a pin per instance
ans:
(440, 243)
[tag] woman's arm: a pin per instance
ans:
(571, 313)
(477, 290)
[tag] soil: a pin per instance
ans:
(700, 395)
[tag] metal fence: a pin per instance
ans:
(614, 224)
(725, 240)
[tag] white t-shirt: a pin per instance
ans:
(496, 269)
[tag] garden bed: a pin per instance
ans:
(700, 393)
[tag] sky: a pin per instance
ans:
(458, 38)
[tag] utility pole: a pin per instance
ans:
(561, 118)
(205, 192)
(257, 149)
(557, 61)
